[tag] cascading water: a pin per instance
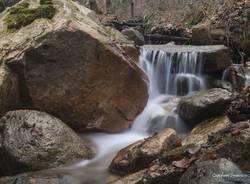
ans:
(170, 74)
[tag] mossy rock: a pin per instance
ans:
(21, 15)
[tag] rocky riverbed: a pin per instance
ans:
(83, 103)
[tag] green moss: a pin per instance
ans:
(21, 15)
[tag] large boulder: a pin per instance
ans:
(203, 105)
(220, 171)
(138, 155)
(200, 134)
(32, 140)
(9, 90)
(74, 68)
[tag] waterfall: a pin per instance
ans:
(172, 73)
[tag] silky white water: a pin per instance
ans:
(171, 75)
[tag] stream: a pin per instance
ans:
(171, 74)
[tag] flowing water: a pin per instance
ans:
(171, 75)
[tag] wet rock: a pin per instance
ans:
(214, 57)
(219, 171)
(138, 155)
(37, 178)
(134, 35)
(204, 104)
(201, 34)
(32, 140)
(76, 69)
(239, 108)
(156, 174)
(232, 143)
(9, 90)
(200, 133)
(236, 76)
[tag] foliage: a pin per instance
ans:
(197, 13)
(21, 15)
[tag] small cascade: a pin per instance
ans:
(172, 73)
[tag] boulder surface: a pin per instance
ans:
(138, 155)
(203, 105)
(220, 171)
(76, 69)
(32, 140)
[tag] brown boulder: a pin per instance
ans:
(156, 174)
(204, 105)
(138, 155)
(200, 133)
(76, 69)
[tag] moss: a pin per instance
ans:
(21, 15)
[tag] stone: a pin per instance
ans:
(75, 69)
(236, 76)
(9, 90)
(232, 143)
(37, 178)
(220, 171)
(199, 135)
(134, 35)
(33, 140)
(156, 174)
(203, 105)
(239, 109)
(214, 57)
(201, 34)
(138, 155)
